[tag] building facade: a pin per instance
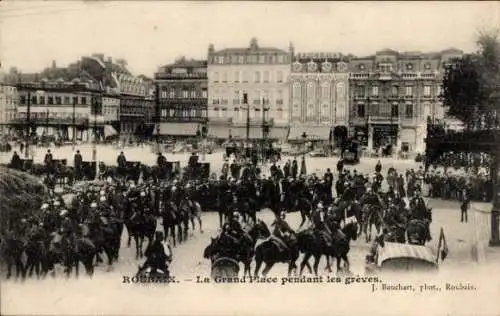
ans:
(319, 97)
(133, 104)
(59, 109)
(8, 106)
(392, 94)
(260, 73)
(183, 96)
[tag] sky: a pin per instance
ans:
(149, 34)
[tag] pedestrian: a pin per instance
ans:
(464, 205)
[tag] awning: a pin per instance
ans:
(221, 132)
(241, 132)
(177, 129)
(279, 133)
(312, 133)
(109, 131)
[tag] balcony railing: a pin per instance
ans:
(385, 76)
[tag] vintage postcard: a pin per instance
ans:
(249, 158)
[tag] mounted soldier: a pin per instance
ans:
(283, 234)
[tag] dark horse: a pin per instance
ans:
(313, 246)
(270, 252)
(142, 226)
(225, 245)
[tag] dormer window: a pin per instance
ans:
(409, 66)
(361, 67)
(427, 66)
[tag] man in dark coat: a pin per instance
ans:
(49, 161)
(15, 162)
(295, 168)
(77, 162)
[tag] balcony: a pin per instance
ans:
(166, 76)
(384, 76)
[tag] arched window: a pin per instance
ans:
(340, 90)
(325, 90)
(296, 90)
(310, 90)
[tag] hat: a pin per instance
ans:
(57, 203)
(45, 206)
(63, 213)
(102, 199)
(102, 192)
(143, 193)
(93, 205)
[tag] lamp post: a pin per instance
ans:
(74, 122)
(97, 103)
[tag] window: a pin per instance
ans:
(245, 76)
(439, 90)
(185, 94)
(281, 59)
(204, 93)
(296, 90)
(42, 100)
(310, 110)
(262, 59)
(193, 93)
(171, 93)
(220, 59)
(51, 100)
(234, 59)
(257, 76)
(241, 59)
(224, 76)
(296, 110)
(279, 97)
(22, 99)
(324, 110)
(215, 100)
(82, 99)
(236, 97)
(279, 76)
(66, 100)
(394, 110)
(58, 100)
(408, 90)
(394, 91)
(193, 113)
(310, 90)
(427, 91)
(361, 110)
(266, 76)
(375, 91)
(33, 100)
(409, 110)
(216, 77)
(325, 90)
(236, 76)
(359, 92)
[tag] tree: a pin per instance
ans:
(472, 85)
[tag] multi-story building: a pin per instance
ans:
(183, 95)
(392, 94)
(260, 73)
(56, 108)
(8, 106)
(319, 97)
(133, 104)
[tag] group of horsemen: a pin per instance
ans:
(98, 212)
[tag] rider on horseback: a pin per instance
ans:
(283, 233)
(158, 255)
(321, 230)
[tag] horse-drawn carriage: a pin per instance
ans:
(351, 152)
(403, 258)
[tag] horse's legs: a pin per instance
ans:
(317, 259)
(247, 268)
(305, 261)
(267, 268)
(258, 263)
(303, 216)
(346, 261)
(328, 264)
(199, 222)
(137, 245)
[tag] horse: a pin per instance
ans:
(371, 216)
(270, 253)
(416, 232)
(13, 249)
(170, 219)
(195, 214)
(245, 246)
(305, 207)
(142, 226)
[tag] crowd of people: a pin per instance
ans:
(91, 224)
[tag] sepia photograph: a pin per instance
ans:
(249, 157)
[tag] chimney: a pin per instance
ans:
(253, 43)
(110, 60)
(211, 49)
(53, 64)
